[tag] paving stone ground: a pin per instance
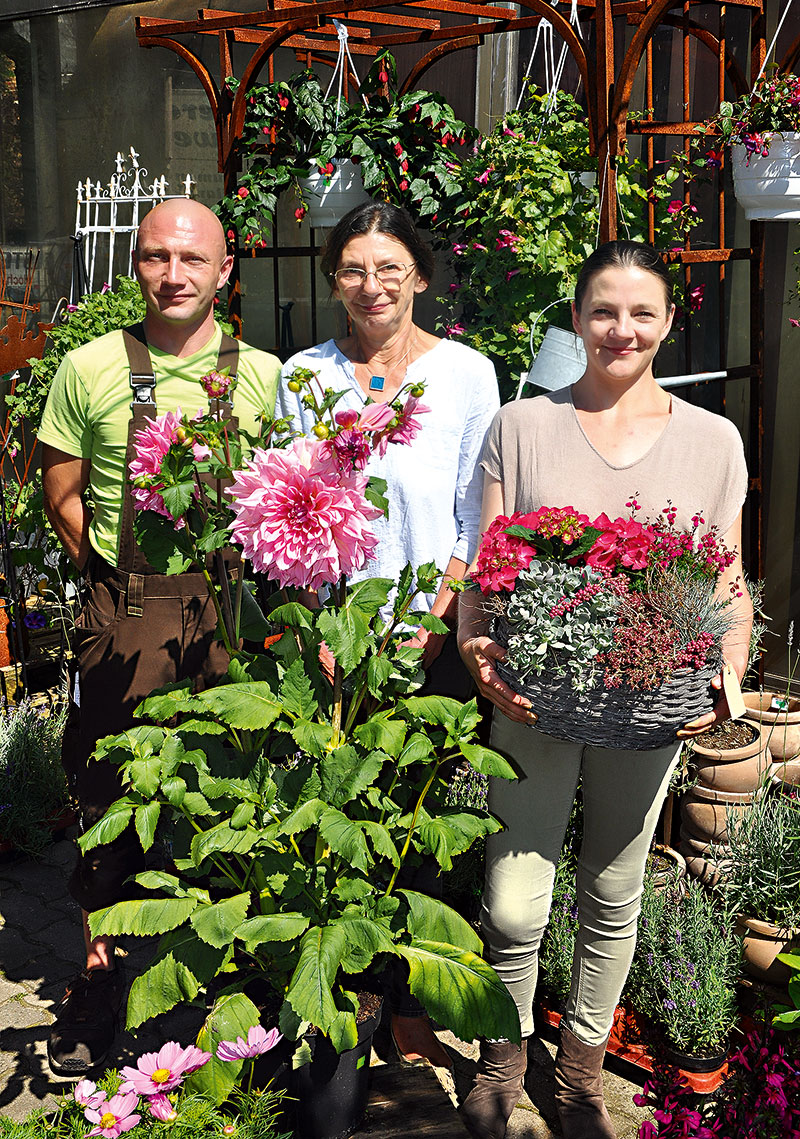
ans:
(41, 948)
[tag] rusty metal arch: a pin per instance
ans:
(436, 53)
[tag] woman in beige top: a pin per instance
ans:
(612, 435)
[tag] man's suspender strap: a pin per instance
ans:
(143, 380)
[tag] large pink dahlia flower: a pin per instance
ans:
(299, 518)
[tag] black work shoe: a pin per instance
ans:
(86, 1022)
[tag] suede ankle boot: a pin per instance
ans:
(579, 1089)
(497, 1089)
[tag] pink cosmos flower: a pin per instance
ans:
(405, 427)
(86, 1094)
(113, 1116)
(622, 542)
(258, 1042)
(299, 517)
(152, 444)
(158, 1072)
(161, 1107)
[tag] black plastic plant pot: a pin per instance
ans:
(327, 1098)
(689, 1063)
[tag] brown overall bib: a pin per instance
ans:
(137, 630)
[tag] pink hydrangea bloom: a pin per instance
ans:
(161, 1071)
(114, 1116)
(301, 519)
(258, 1041)
(501, 557)
(161, 1107)
(623, 542)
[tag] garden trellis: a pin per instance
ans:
(106, 213)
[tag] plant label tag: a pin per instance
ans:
(733, 692)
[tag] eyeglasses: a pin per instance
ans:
(388, 276)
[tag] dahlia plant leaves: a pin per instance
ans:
(345, 773)
(486, 761)
(271, 927)
(365, 939)
(146, 821)
(178, 497)
(460, 990)
(221, 839)
(174, 790)
(375, 493)
(346, 838)
(197, 804)
(309, 992)
(201, 959)
(159, 880)
(382, 731)
(160, 543)
(370, 595)
(418, 749)
(311, 738)
(296, 692)
(141, 917)
(111, 825)
(381, 840)
(439, 710)
(346, 634)
(140, 740)
(160, 988)
(343, 1031)
(233, 1015)
(165, 705)
(430, 919)
(405, 584)
(242, 816)
(450, 833)
(433, 624)
(248, 706)
(218, 924)
(379, 669)
(226, 788)
(144, 773)
(301, 818)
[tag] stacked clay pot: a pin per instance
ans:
(780, 731)
(728, 780)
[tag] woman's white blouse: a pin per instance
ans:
(434, 484)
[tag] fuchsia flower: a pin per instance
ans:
(159, 1072)
(114, 1116)
(675, 206)
(456, 329)
(714, 159)
(623, 542)
(511, 273)
(258, 1042)
(161, 1107)
(696, 297)
(299, 517)
(483, 179)
(506, 240)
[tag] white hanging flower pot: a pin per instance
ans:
(330, 197)
(769, 188)
(560, 361)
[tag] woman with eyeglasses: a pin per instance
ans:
(377, 264)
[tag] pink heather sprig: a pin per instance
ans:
(615, 585)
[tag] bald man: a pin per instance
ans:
(137, 630)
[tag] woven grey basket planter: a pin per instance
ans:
(613, 717)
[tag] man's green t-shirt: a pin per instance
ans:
(89, 408)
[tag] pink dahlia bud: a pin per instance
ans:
(216, 384)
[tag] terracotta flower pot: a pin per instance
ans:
(704, 860)
(734, 769)
(671, 867)
(763, 941)
(705, 812)
(780, 730)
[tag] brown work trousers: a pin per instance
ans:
(121, 658)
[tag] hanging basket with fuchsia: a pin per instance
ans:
(613, 628)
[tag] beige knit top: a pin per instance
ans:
(538, 450)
